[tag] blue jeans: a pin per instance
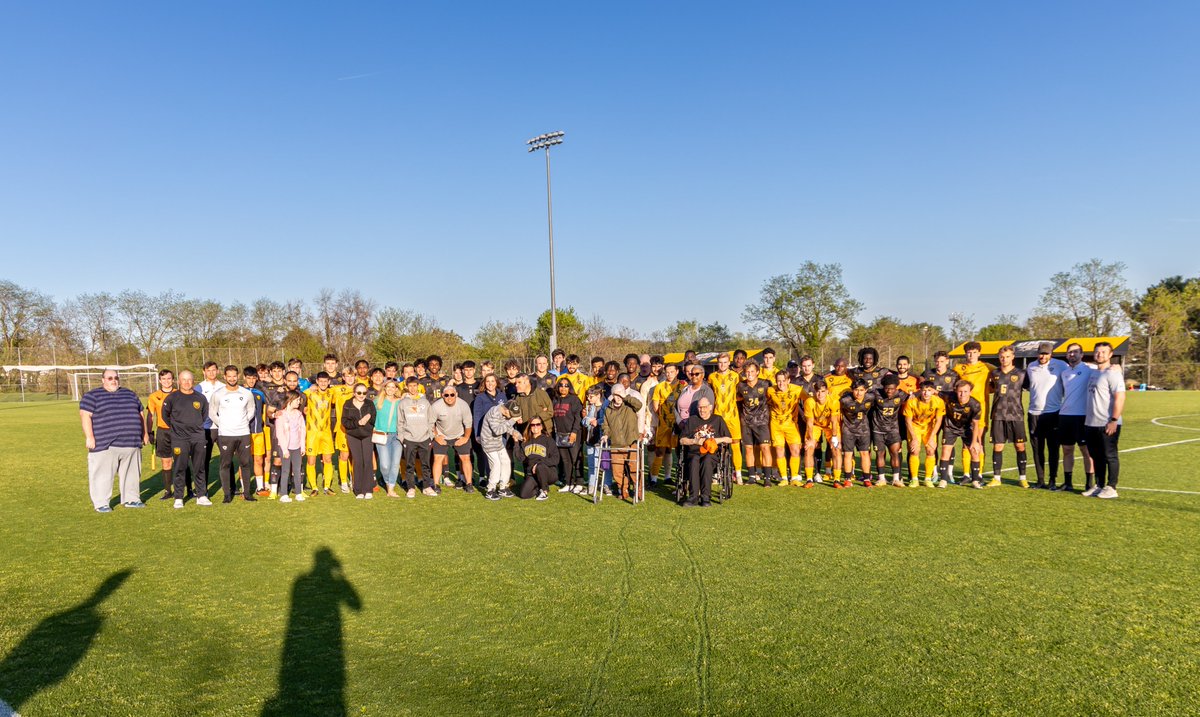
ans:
(389, 459)
(593, 462)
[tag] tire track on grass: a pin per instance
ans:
(702, 660)
(596, 686)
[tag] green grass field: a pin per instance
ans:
(783, 601)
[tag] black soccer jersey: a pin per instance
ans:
(1006, 394)
(752, 403)
(434, 387)
(546, 383)
(856, 414)
(959, 417)
(944, 382)
(872, 376)
(809, 385)
(885, 415)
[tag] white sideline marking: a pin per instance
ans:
(1163, 490)
(1159, 422)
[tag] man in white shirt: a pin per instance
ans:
(1072, 414)
(231, 409)
(207, 388)
(1106, 403)
(1045, 400)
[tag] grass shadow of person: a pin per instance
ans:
(312, 669)
(52, 649)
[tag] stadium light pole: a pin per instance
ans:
(546, 141)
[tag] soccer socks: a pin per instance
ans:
(930, 466)
(737, 458)
(343, 472)
(310, 472)
(947, 470)
(914, 466)
(794, 466)
(966, 463)
(976, 470)
(1022, 463)
(781, 465)
(997, 463)
(328, 476)
(808, 473)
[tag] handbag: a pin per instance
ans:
(562, 440)
(379, 438)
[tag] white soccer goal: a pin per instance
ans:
(141, 382)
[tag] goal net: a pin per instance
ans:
(141, 382)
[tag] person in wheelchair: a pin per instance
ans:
(700, 440)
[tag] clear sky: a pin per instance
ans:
(381, 146)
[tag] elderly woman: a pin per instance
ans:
(621, 430)
(358, 420)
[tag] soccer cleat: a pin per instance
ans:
(820, 479)
(314, 493)
(846, 483)
(1091, 492)
(1107, 492)
(1023, 483)
(942, 483)
(329, 491)
(345, 488)
(807, 484)
(179, 502)
(264, 493)
(838, 485)
(285, 499)
(272, 495)
(897, 483)
(867, 483)
(798, 482)
(978, 485)
(916, 482)
(994, 482)
(928, 482)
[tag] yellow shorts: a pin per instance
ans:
(664, 437)
(784, 434)
(339, 442)
(924, 435)
(734, 423)
(258, 444)
(817, 432)
(319, 443)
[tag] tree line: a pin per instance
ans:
(807, 312)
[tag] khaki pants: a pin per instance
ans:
(623, 465)
(123, 463)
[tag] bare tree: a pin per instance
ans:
(98, 316)
(346, 320)
(146, 318)
(22, 312)
(197, 322)
(962, 327)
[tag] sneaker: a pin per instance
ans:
(1023, 483)
(565, 489)
(203, 500)
(446, 481)
(916, 482)
(134, 504)
(805, 483)
(897, 483)
(368, 496)
(411, 493)
(104, 509)
(820, 479)
(578, 490)
(179, 502)
(285, 499)
(766, 482)
(345, 488)
(299, 497)
(994, 482)
(542, 495)
(493, 495)
(977, 484)
(314, 493)
(358, 496)
(942, 483)
(329, 491)
(429, 492)
(437, 489)
(506, 493)
(607, 491)
(1091, 492)
(468, 488)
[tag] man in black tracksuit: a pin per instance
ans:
(185, 411)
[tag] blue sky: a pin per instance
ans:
(170, 145)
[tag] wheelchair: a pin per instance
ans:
(722, 478)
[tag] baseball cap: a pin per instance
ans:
(792, 363)
(513, 408)
(1046, 347)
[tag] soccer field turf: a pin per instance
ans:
(783, 601)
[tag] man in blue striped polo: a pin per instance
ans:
(114, 432)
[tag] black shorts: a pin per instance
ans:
(1044, 425)
(1070, 430)
(756, 435)
(951, 436)
(887, 438)
(162, 443)
(440, 450)
(1005, 431)
(856, 441)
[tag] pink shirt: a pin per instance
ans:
(290, 430)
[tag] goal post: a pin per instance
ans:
(141, 381)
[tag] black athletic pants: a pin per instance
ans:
(537, 480)
(236, 448)
(700, 470)
(568, 465)
(418, 451)
(361, 450)
(1103, 450)
(1043, 433)
(210, 440)
(190, 455)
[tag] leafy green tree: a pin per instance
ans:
(572, 335)
(805, 309)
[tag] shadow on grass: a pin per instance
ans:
(152, 483)
(52, 649)
(312, 670)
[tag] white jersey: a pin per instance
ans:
(1075, 389)
(1045, 389)
(231, 410)
(1102, 385)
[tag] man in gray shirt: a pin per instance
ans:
(415, 430)
(1106, 403)
(451, 419)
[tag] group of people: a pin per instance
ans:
(400, 429)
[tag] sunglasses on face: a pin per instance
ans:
(360, 393)
(535, 425)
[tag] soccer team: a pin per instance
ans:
(415, 425)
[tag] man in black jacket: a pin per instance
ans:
(184, 412)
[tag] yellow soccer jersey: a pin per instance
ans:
(580, 383)
(978, 375)
(924, 414)
(665, 395)
(910, 384)
(341, 394)
(318, 413)
(725, 388)
(838, 385)
(768, 374)
(785, 404)
(824, 416)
